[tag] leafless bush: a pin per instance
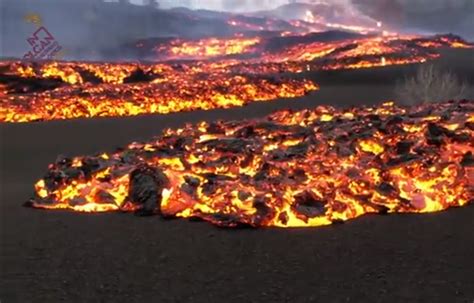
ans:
(429, 85)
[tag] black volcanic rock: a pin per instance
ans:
(146, 186)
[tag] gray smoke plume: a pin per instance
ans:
(419, 16)
(85, 28)
(423, 16)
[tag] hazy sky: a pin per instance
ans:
(425, 15)
(218, 4)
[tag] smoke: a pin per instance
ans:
(423, 16)
(245, 6)
(91, 28)
(94, 29)
(416, 16)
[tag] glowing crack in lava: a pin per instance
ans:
(290, 169)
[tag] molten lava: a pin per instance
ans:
(207, 48)
(32, 91)
(105, 90)
(291, 169)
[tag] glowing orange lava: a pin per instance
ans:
(208, 48)
(291, 169)
(32, 91)
(161, 89)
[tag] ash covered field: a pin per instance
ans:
(62, 112)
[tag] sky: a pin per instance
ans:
(218, 4)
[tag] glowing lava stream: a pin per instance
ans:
(290, 169)
(65, 90)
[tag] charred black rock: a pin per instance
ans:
(344, 151)
(243, 195)
(247, 160)
(72, 173)
(373, 117)
(403, 159)
(435, 130)
(53, 179)
(128, 156)
(460, 138)
(302, 132)
(63, 161)
(105, 197)
(309, 205)
(180, 144)
(138, 76)
(190, 186)
(395, 120)
(89, 77)
(263, 172)
(278, 155)
(435, 133)
(342, 138)
(22, 85)
(146, 186)
(467, 159)
(299, 150)
(386, 189)
(353, 173)
(228, 145)
(211, 177)
(245, 132)
(263, 210)
(421, 114)
(209, 188)
(215, 128)
(192, 181)
(403, 147)
(298, 175)
(212, 183)
(90, 166)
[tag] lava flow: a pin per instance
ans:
(75, 90)
(290, 169)
(208, 79)
(208, 48)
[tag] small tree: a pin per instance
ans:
(430, 84)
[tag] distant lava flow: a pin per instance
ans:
(75, 90)
(290, 169)
(211, 47)
(205, 74)
(290, 47)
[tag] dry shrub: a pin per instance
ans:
(430, 84)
